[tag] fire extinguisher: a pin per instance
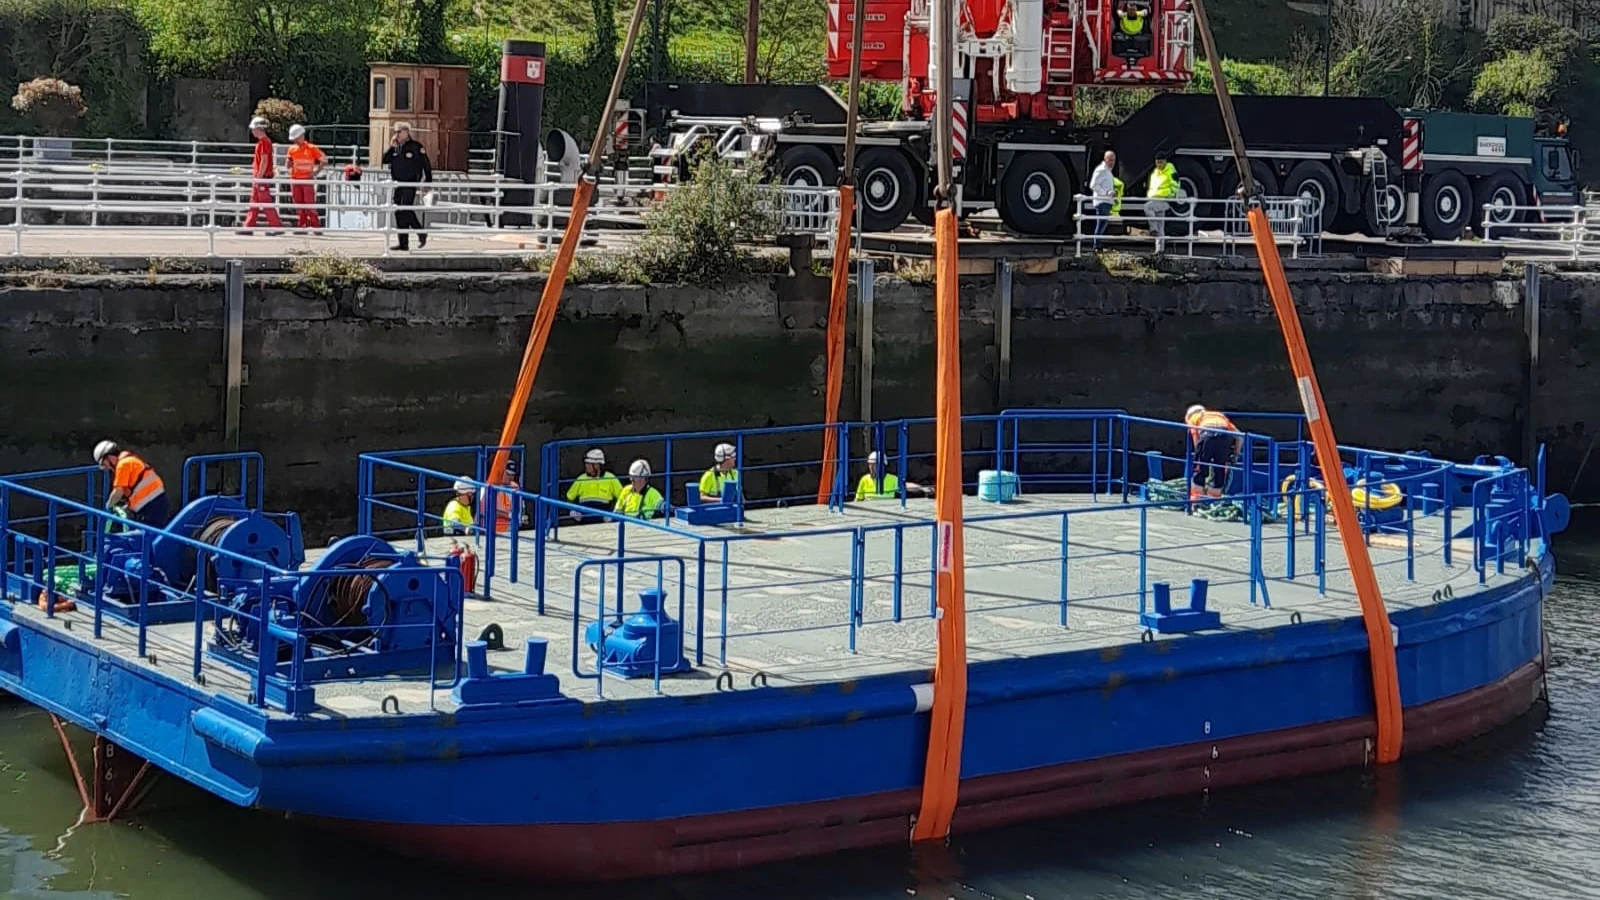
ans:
(466, 560)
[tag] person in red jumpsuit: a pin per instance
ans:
(261, 200)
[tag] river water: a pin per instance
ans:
(1512, 815)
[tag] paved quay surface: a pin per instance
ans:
(787, 603)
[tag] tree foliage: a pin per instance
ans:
(312, 51)
(94, 44)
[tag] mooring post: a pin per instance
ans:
(865, 275)
(1002, 330)
(1531, 308)
(232, 352)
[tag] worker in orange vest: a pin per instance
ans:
(134, 484)
(502, 500)
(262, 171)
(306, 162)
(1216, 445)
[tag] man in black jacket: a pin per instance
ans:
(408, 166)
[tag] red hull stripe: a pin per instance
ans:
(731, 840)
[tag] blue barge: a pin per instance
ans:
(746, 681)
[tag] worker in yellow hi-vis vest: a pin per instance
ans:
(723, 470)
(877, 484)
(1163, 189)
(638, 499)
(595, 488)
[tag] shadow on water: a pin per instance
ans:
(1512, 814)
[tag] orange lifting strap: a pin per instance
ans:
(545, 317)
(941, 779)
(1380, 636)
(839, 286)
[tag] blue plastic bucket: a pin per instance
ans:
(997, 487)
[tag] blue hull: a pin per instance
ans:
(568, 769)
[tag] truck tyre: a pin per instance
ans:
(886, 187)
(1228, 187)
(1036, 195)
(1498, 191)
(808, 166)
(1195, 182)
(1446, 205)
(1314, 180)
(1390, 209)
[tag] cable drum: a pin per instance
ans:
(347, 594)
(209, 534)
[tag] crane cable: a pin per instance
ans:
(550, 298)
(941, 780)
(1380, 634)
(839, 282)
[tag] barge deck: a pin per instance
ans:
(783, 697)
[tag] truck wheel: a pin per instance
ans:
(808, 166)
(1266, 186)
(1314, 181)
(886, 187)
(1500, 192)
(1390, 209)
(1195, 184)
(1446, 205)
(1036, 195)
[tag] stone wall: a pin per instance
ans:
(430, 360)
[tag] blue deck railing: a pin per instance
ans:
(1126, 466)
(71, 536)
(1102, 453)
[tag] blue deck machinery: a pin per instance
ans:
(362, 609)
(152, 577)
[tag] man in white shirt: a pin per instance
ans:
(1102, 184)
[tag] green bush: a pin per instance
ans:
(702, 232)
(51, 103)
(96, 45)
(280, 114)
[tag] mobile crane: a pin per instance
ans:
(1017, 148)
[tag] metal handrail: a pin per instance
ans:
(209, 203)
(1296, 223)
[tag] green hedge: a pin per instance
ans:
(97, 45)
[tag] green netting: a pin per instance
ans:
(67, 581)
(1214, 510)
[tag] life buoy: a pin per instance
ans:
(1387, 496)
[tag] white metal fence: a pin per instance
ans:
(460, 212)
(1186, 224)
(348, 144)
(1544, 232)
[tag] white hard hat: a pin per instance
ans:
(103, 450)
(258, 122)
(296, 132)
(596, 456)
(1193, 411)
(463, 486)
(639, 469)
(723, 451)
(872, 458)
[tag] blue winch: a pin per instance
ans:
(363, 609)
(167, 568)
(632, 647)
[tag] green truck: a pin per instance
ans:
(1483, 167)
